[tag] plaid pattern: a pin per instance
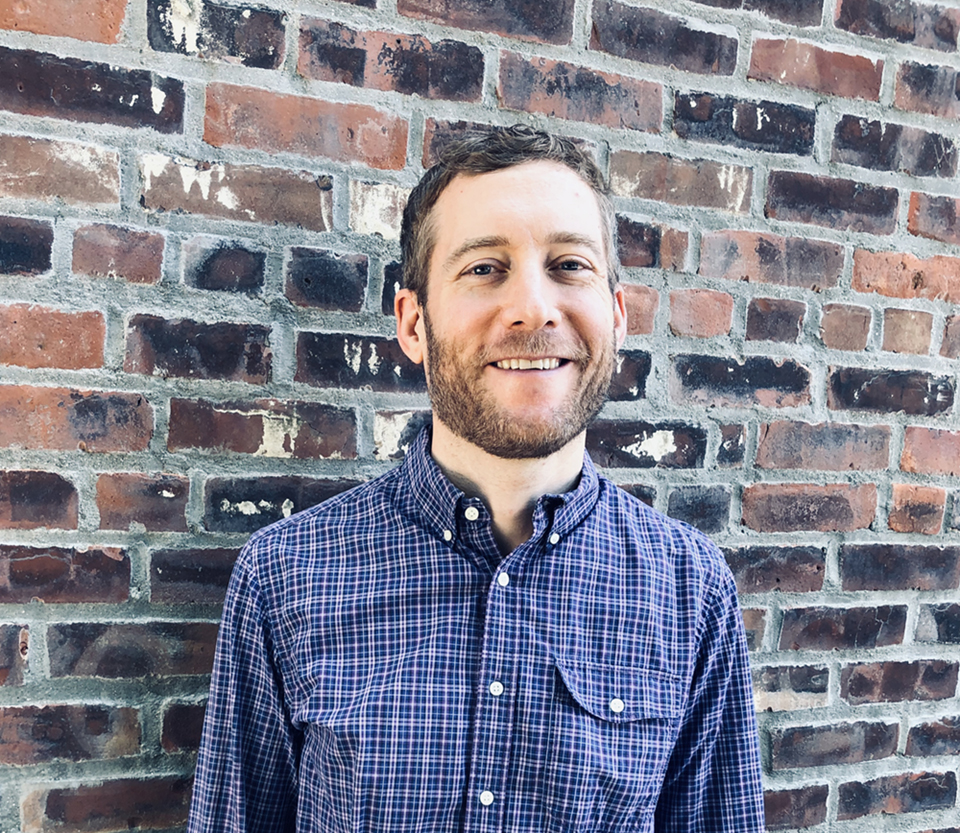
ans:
(380, 668)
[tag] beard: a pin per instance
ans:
(468, 408)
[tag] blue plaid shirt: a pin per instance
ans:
(380, 667)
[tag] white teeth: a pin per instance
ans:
(528, 364)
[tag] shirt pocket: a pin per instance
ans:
(612, 732)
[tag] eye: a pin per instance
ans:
(481, 269)
(571, 265)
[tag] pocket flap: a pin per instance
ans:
(622, 695)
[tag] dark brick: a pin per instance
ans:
(527, 19)
(899, 567)
(705, 507)
(227, 266)
(775, 319)
(837, 629)
(39, 84)
(158, 502)
(14, 653)
(761, 569)
(790, 687)
(191, 576)
(893, 147)
(722, 382)
(395, 431)
(25, 246)
(926, 25)
(328, 280)
(652, 37)
(647, 244)
(823, 447)
(939, 738)
(841, 743)
(630, 376)
(105, 251)
(913, 792)
(939, 623)
(935, 217)
(845, 326)
(926, 88)
(896, 682)
(114, 651)
(35, 499)
(60, 574)
(38, 734)
(733, 444)
(797, 808)
(798, 12)
(754, 625)
(754, 125)
(251, 37)
(392, 284)
(346, 361)
(791, 507)
(182, 727)
(246, 504)
(616, 444)
(641, 491)
(889, 391)
(223, 350)
(836, 203)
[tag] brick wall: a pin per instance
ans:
(198, 244)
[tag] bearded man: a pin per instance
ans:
(492, 636)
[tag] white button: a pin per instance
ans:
(496, 688)
(471, 513)
(447, 535)
(555, 538)
(616, 705)
(486, 798)
(503, 579)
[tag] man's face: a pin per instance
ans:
(520, 330)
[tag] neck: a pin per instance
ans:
(509, 488)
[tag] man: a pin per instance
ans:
(491, 636)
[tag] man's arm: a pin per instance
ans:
(246, 778)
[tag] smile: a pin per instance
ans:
(528, 364)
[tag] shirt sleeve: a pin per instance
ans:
(713, 780)
(246, 779)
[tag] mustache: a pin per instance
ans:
(535, 344)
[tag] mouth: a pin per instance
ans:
(550, 363)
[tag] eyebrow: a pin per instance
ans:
(562, 237)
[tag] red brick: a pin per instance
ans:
(755, 624)
(814, 68)
(832, 628)
(780, 688)
(797, 808)
(191, 576)
(875, 567)
(950, 346)
(835, 203)
(642, 303)
(920, 24)
(912, 792)
(547, 23)
(722, 382)
(765, 568)
(790, 507)
(840, 743)
(26, 246)
(845, 326)
(926, 88)
(775, 319)
(889, 391)
(898, 682)
(253, 118)
(326, 279)
(63, 419)
(49, 170)
(700, 313)
(158, 502)
(105, 251)
(91, 20)
(237, 192)
(63, 575)
(645, 244)
(768, 258)
(931, 451)
(656, 176)
(917, 508)
(348, 361)
(939, 738)
(182, 727)
(34, 336)
(893, 147)
(623, 444)
(823, 447)
(907, 331)
(14, 653)
(903, 275)
(37, 499)
(935, 217)
(38, 734)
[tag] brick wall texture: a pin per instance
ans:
(199, 207)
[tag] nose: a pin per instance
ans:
(529, 299)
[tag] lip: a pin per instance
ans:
(534, 363)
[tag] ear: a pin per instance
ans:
(410, 325)
(619, 316)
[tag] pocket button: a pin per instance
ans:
(617, 705)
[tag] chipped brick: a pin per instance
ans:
(327, 280)
(105, 251)
(377, 208)
(939, 623)
(14, 654)
(798, 12)
(395, 431)
(836, 203)
(630, 374)
(939, 738)
(392, 284)
(924, 25)
(790, 687)
(926, 88)
(623, 444)
(733, 444)
(56, 575)
(903, 275)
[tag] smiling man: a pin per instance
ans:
(491, 637)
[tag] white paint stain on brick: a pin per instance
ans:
(734, 180)
(190, 176)
(387, 432)
(373, 361)
(85, 156)
(658, 445)
(228, 199)
(352, 355)
(157, 98)
(184, 20)
(153, 165)
(376, 208)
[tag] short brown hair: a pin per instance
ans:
(480, 152)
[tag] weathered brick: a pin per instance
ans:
(935, 217)
(754, 625)
(823, 447)
(717, 381)
(376, 208)
(36, 499)
(641, 303)
(939, 623)
(223, 265)
(197, 576)
(845, 326)
(939, 738)
(14, 653)
(246, 504)
(408, 64)
(897, 682)
(649, 244)
(114, 651)
(917, 508)
(798, 12)
(182, 727)
(105, 251)
(630, 374)
(395, 431)
(222, 350)
(768, 258)
(705, 507)
(789, 61)
(733, 446)
(931, 451)
(790, 507)
(346, 361)
(248, 36)
(761, 569)
(920, 24)
(652, 37)
(264, 427)
(893, 147)
(34, 336)
(254, 118)
(25, 246)
(392, 283)
(325, 279)
(700, 313)
(38, 734)
(63, 575)
(889, 391)
(755, 125)
(899, 567)
(775, 319)
(926, 88)
(90, 20)
(840, 743)
(796, 808)
(641, 491)
(913, 792)
(657, 176)
(778, 688)
(832, 629)
(622, 444)
(797, 197)
(41, 84)
(158, 502)
(64, 419)
(237, 192)
(52, 170)
(950, 345)
(567, 91)
(547, 23)
(903, 275)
